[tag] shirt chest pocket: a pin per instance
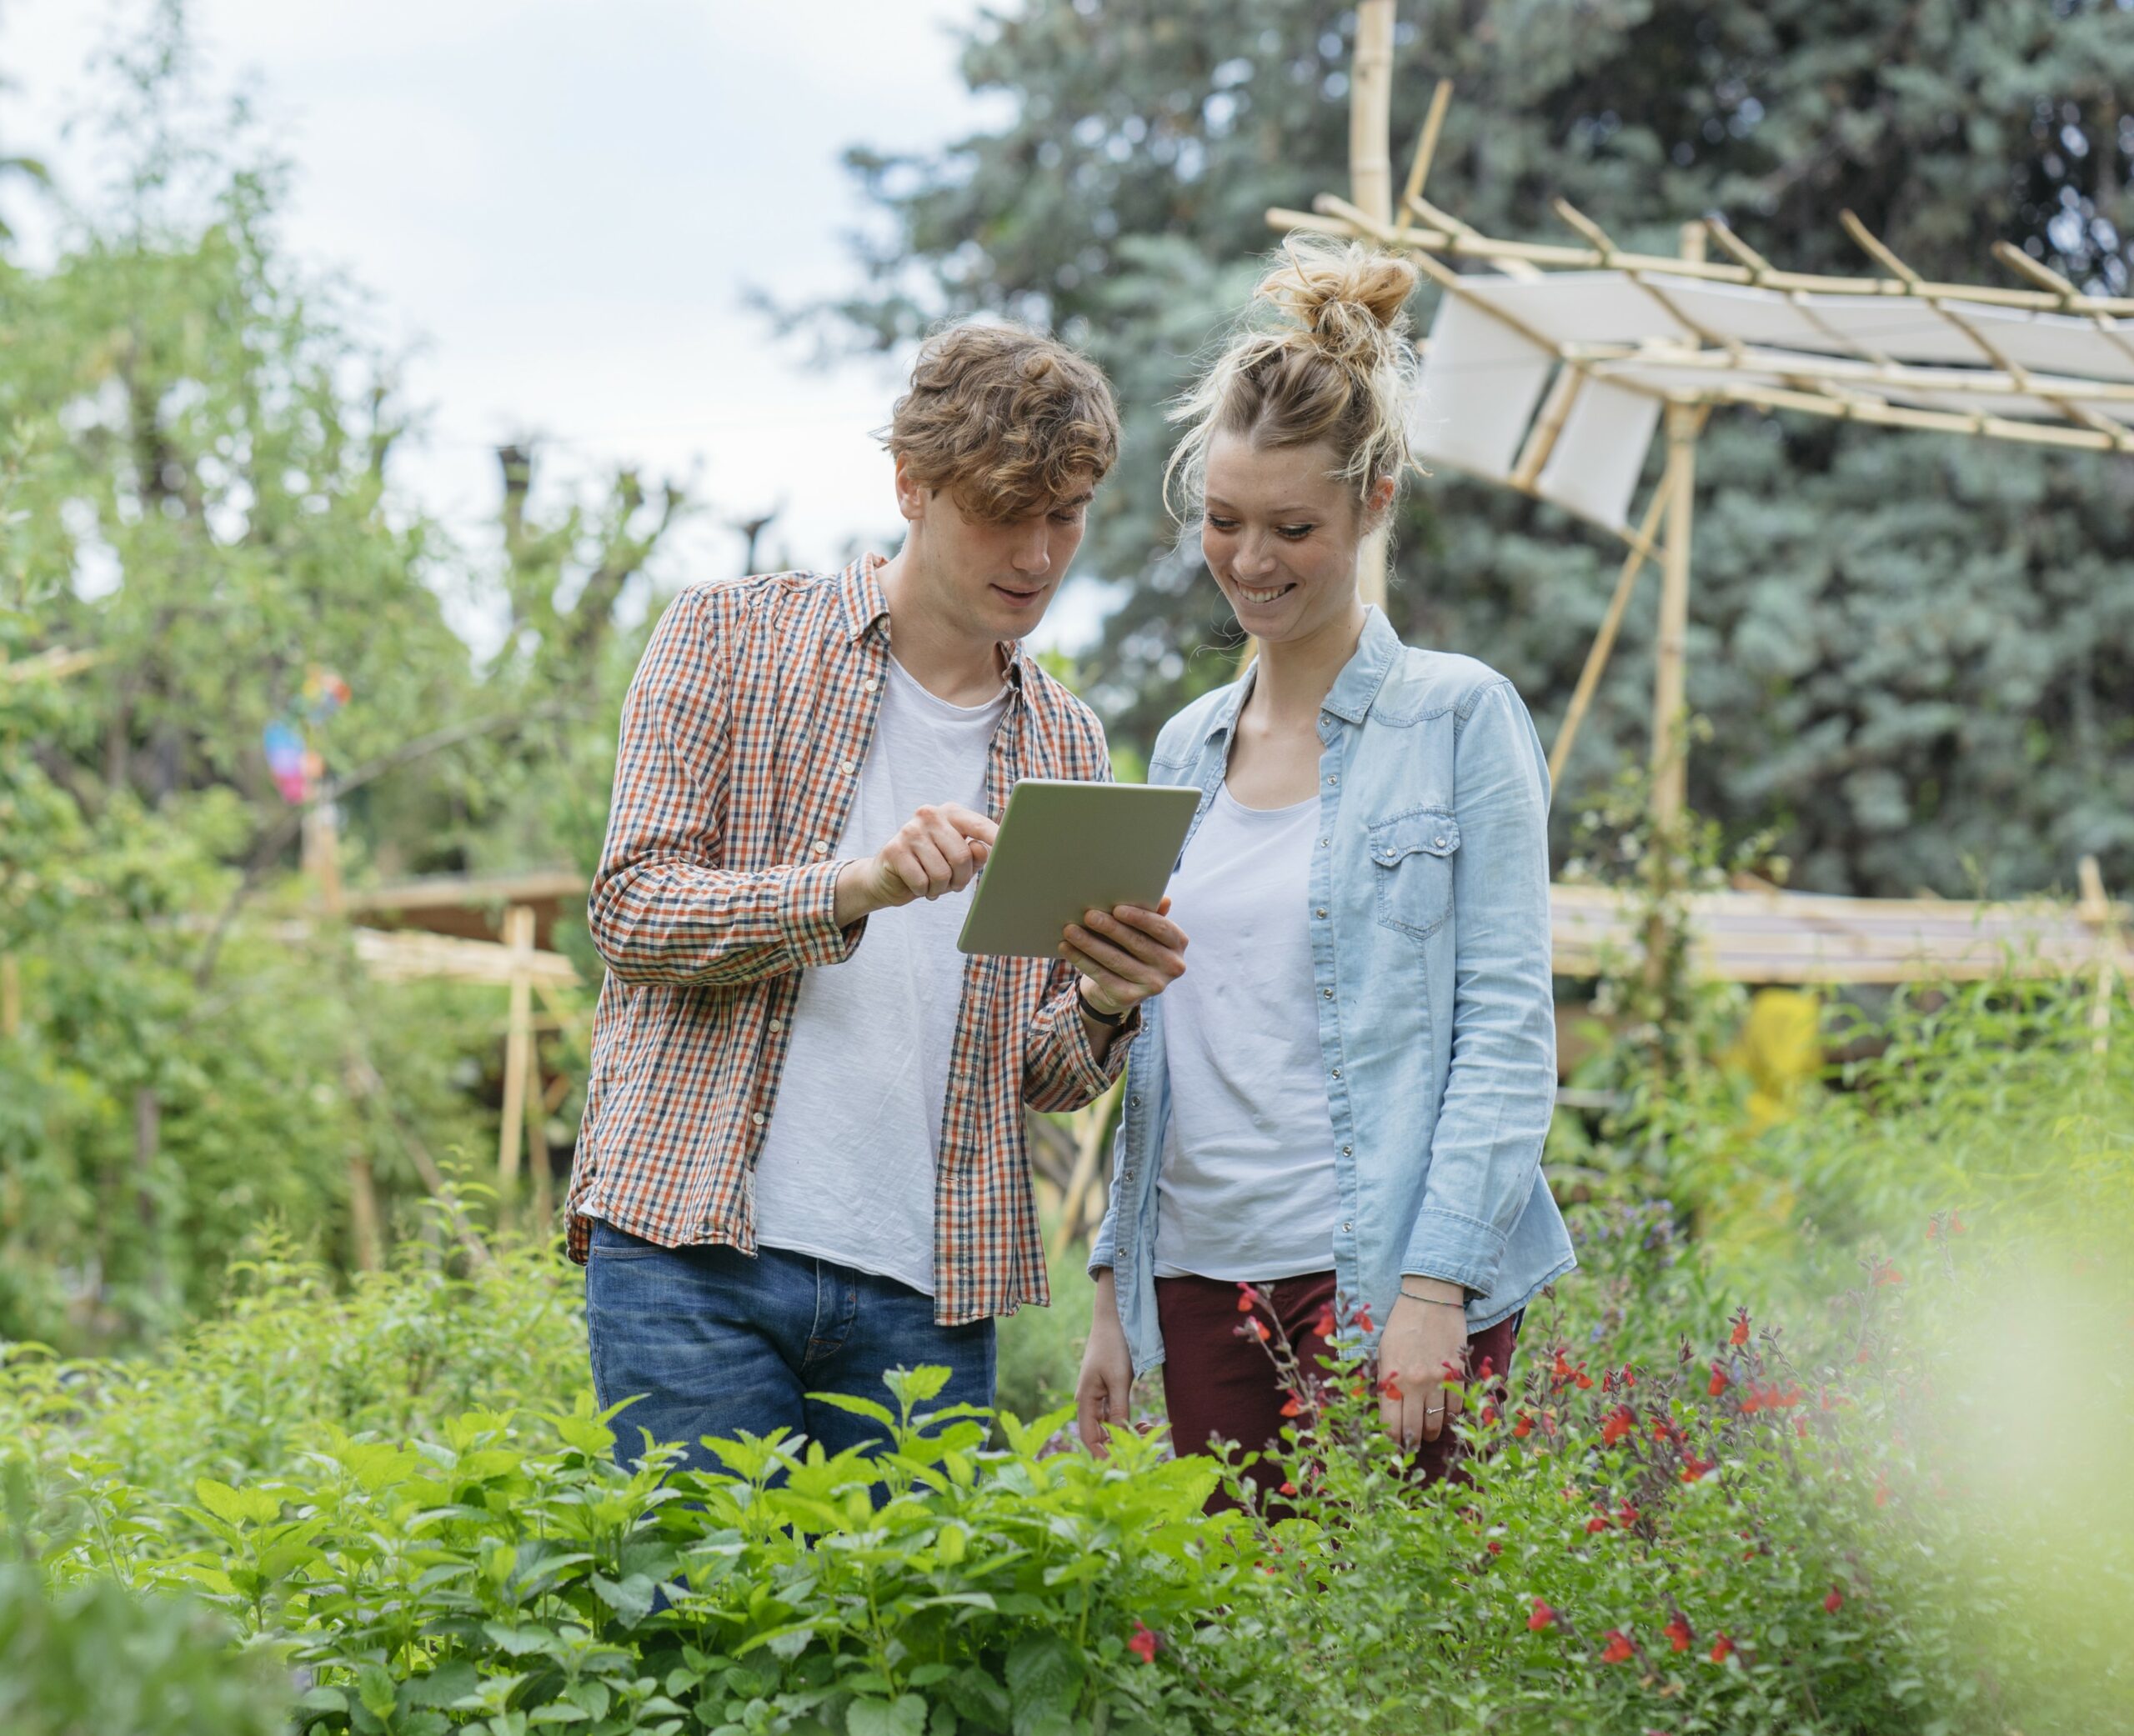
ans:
(1412, 856)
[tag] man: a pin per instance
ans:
(803, 1159)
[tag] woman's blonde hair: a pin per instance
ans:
(1332, 367)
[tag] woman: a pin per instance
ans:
(1343, 1100)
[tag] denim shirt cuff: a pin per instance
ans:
(1454, 1248)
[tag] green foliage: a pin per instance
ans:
(91, 1658)
(1914, 649)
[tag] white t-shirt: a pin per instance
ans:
(1247, 1189)
(846, 1171)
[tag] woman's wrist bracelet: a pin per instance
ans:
(1440, 1301)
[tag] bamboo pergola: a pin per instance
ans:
(1550, 370)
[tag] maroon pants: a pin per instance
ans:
(1219, 1382)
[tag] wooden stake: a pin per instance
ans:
(1089, 1126)
(321, 853)
(1419, 168)
(11, 997)
(362, 1214)
(2095, 907)
(1669, 746)
(518, 1052)
(536, 1141)
(1370, 183)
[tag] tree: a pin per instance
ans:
(1917, 652)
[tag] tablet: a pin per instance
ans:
(1066, 848)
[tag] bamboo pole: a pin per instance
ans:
(11, 997)
(517, 1053)
(363, 1214)
(537, 1139)
(1670, 745)
(1089, 1126)
(1603, 641)
(2096, 909)
(1339, 218)
(1370, 183)
(1419, 167)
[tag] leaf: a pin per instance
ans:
(442, 1686)
(518, 1642)
(944, 1721)
(858, 1407)
(374, 1688)
(913, 1387)
(1044, 1680)
(979, 1698)
(631, 1599)
(904, 1716)
(323, 1699)
(236, 1506)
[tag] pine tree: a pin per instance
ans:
(1916, 651)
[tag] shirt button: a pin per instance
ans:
(1346, 1226)
(1133, 1103)
(1348, 1150)
(1321, 913)
(1439, 841)
(778, 1024)
(1322, 843)
(868, 685)
(1337, 1072)
(757, 1119)
(849, 766)
(1326, 994)
(821, 848)
(1334, 778)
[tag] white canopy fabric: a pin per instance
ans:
(1633, 340)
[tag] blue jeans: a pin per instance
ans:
(719, 1343)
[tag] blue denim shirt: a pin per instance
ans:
(1429, 914)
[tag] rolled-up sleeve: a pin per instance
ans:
(662, 908)
(1501, 1090)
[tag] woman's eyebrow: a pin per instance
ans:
(1217, 501)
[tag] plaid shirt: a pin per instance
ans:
(742, 740)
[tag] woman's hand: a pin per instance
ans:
(1424, 1344)
(1103, 1394)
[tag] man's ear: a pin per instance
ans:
(911, 496)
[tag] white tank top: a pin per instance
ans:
(1247, 1188)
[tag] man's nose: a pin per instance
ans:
(1032, 553)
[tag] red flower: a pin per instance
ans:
(1629, 1375)
(1584, 1379)
(1247, 1299)
(1678, 1632)
(1523, 1427)
(1543, 1617)
(1800, 1427)
(1620, 1423)
(1889, 1275)
(1721, 1647)
(1363, 1320)
(1860, 1356)
(1489, 1414)
(1390, 1387)
(1145, 1644)
(1694, 1467)
(1325, 1325)
(1487, 1368)
(1293, 1408)
(1287, 1487)
(1495, 1547)
(1718, 1381)
(1956, 1224)
(1599, 1522)
(1626, 1516)
(1882, 1490)
(1620, 1650)
(1740, 1333)
(1561, 1369)
(1835, 1602)
(1257, 1327)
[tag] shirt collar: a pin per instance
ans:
(1353, 689)
(867, 609)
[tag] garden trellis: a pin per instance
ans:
(1552, 371)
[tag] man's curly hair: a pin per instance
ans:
(1007, 420)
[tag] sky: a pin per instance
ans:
(556, 208)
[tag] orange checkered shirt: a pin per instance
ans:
(742, 740)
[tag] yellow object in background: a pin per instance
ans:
(1780, 1048)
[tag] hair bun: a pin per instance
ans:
(1351, 299)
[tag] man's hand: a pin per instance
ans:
(1102, 1394)
(1125, 954)
(938, 850)
(1424, 1344)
